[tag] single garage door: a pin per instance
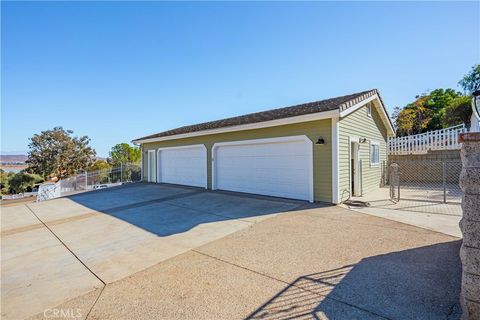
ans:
(186, 165)
(280, 167)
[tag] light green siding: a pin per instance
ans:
(322, 154)
(360, 125)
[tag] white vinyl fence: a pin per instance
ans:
(90, 180)
(443, 139)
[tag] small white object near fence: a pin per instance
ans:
(444, 139)
(48, 190)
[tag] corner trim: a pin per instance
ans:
(335, 157)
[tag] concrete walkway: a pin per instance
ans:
(164, 252)
(435, 216)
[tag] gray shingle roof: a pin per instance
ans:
(341, 103)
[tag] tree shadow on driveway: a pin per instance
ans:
(420, 283)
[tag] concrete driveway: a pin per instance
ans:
(156, 251)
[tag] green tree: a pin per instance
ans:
(125, 153)
(471, 81)
(103, 170)
(426, 113)
(5, 178)
(100, 165)
(458, 111)
(438, 100)
(57, 153)
(22, 182)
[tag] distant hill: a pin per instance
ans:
(13, 158)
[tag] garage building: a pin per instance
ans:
(317, 151)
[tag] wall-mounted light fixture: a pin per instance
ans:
(362, 140)
(475, 119)
(320, 141)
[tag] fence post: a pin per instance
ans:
(444, 183)
(121, 172)
(398, 186)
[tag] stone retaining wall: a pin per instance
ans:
(470, 225)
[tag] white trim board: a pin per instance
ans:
(335, 157)
(141, 163)
(250, 126)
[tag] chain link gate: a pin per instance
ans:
(432, 181)
(394, 181)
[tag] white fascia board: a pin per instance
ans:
(250, 126)
(383, 113)
(357, 106)
(335, 158)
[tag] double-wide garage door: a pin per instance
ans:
(280, 167)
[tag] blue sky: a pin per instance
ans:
(116, 71)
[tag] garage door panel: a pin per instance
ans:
(281, 169)
(185, 166)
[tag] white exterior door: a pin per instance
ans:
(185, 165)
(280, 167)
(355, 169)
(151, 166)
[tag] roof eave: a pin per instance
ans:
(257, 125)
(385, 117)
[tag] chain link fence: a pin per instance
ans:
(90, 180)
(429, 180)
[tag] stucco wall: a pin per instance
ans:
(322, 154)
(359, 124)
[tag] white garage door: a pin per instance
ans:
(183, 165)
(280, 167)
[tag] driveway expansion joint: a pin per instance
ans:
(95, 302)
(65, 245)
